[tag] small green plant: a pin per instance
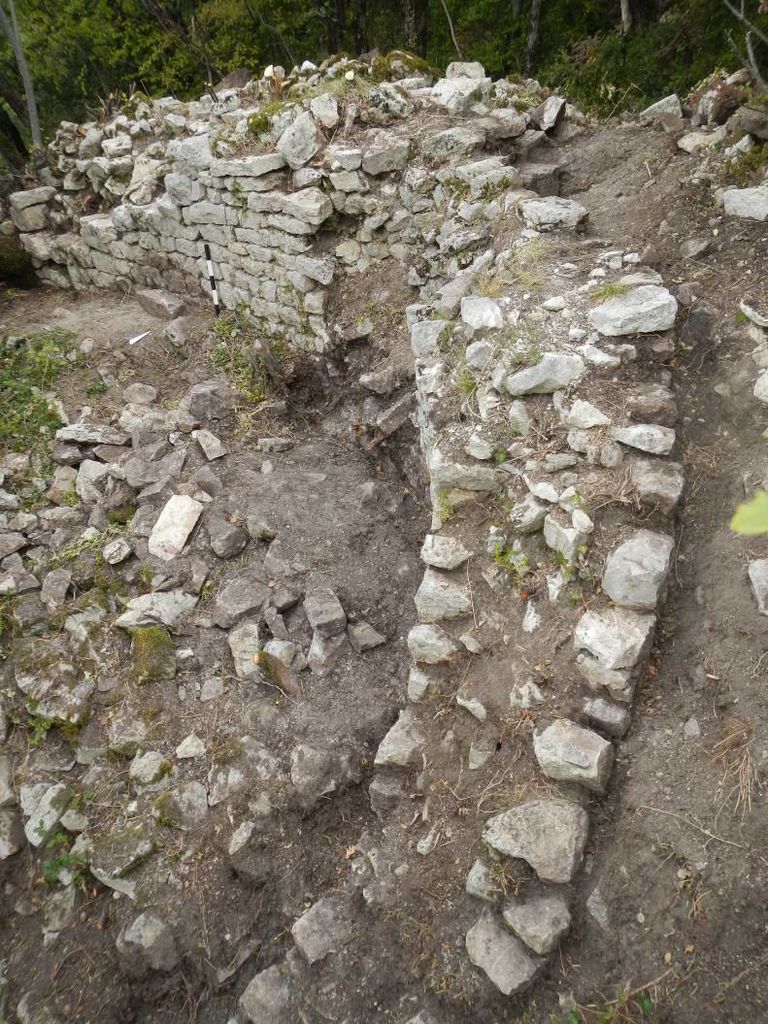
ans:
(69, 498)
(63, 858)
(97, 387)
(610, 290)
(515, 562)
(467, 382)
(500, 455)
(261, 121)
(444, 508)
(72, 551)
(747, 168)
(38, 730)
(249, 358)
(456, 188)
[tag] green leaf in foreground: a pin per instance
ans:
(751, 518)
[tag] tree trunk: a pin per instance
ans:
(409, 25)
(11, 30)
(421, 10)
(533, 35)
(12, 146)
(626, 17)
(360, 25)
(450, 26)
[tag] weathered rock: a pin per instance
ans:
(441, 597)
(550, 835)
(148, 943)
(568, 753)
(299, 142)
(43, 809)
(540, 921)
(636, 572)
(227, 538)
(646, 437)
(658, 485)
(403, 744)
(92, 433)
(644, 310)
(173, 527)
(481, 883)
(46, 675)
(504, 958)
(160, 303)
(210, 445)
(554, 370)
(11, 835)
(245, 644)
(269, 997)
(480, 313)
(168, 608)
(611, 718)
(668, 105)
(443, 552)
(324, 612)
(758, 578)
(550, 213)
(185, 807)
(323, 929)
(748, 203)
(617, 638)
(116, 551)
(363, 637)
(459, 93)
(244, 595)
(431, 645)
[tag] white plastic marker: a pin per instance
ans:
(132, 341)
(212, 280)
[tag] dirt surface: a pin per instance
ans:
(670, 902)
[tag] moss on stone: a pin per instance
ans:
(400, 64)
(153, 654)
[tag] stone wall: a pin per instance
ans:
(340, 172)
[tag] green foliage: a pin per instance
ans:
(63, 858)
(747, 168)
(153, 654)
(608, 291)
(751, 517)
(514, 561)
(97, 387)
(28, 367)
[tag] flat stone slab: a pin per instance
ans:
(646, 437)
(568, 753)
(644, 310)
(173, 527)
(168, 607)
(551, 212)
(505, 959)
(550, 835)
(555, 370)
(749, 203)
(636, 571)
(541, 921)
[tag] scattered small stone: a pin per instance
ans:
(210, 445)
(148, 943)
(363, 637)
(403, 744)
(324, 612)
(191, 746)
